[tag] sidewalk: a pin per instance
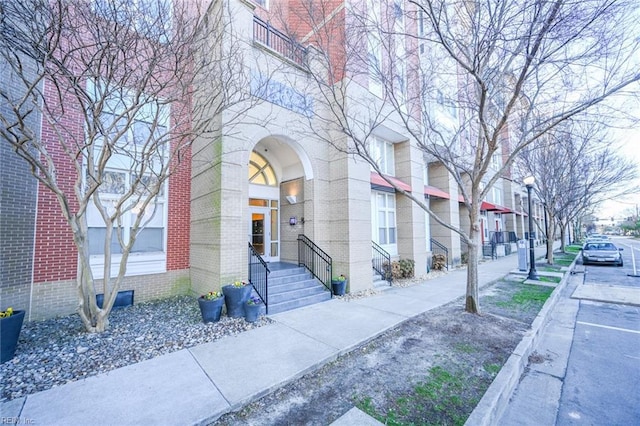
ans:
(199, 384)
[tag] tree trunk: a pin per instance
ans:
(472, 304)
(563, 234)
(551, 236)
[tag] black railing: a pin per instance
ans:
(315, 260)
(489, 250)
(498, 237)
(277, 41)
(438, 248)
(259, 275)
(381, 262)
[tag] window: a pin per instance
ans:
(260, 171)
(496, 161)
(131, 175)
(400, 75)
(263, 3)
(151, 234)
(150, 18)
(384, 220)
(374, 47)
(421, 31)
(497, 195)
(382, 154)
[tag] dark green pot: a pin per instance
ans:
(338, 287)
(235, 298)
(211, 310)
(9, 332)
(252, 312)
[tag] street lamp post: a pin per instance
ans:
(533, 274)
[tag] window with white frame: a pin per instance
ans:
(421, 31)
(496, 161)
(497, 195)
(131, 175)
(150, 18)
(400, 75)
(383, 215)
(382, 154)
(374, 48)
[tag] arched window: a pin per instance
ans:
(260, 171)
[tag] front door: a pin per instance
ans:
(263, 232)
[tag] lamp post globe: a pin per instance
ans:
(533, 274)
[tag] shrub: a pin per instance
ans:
(404, 268)
(439, 262)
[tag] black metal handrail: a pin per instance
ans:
(439, 248)
(277, 41)
(381, 262)
(489, 249)
(315, 260)
(259, 275)
(497, 237)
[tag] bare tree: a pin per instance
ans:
(575, 170)
(115, 84)
(473, 83)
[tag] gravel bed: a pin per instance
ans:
(59, 351)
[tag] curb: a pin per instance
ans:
(495, 400)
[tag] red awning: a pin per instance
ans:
(378, 181)
(490, 207)
(505, 210)
(435, 192)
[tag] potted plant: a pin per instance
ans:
(339, 285)
(252, 309)
(211, 306)
(235, 295)
(10, 326)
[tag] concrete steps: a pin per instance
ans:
(294, 287)
(379, 283)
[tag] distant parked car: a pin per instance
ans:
(597, 237)
(601, 252)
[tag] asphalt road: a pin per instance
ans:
(602, 382)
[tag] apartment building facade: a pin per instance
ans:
(264, 179)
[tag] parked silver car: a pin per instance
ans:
(601, 252)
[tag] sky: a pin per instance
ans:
(628, 141)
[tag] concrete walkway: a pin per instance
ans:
(199, 384)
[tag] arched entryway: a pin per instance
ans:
(277, 170)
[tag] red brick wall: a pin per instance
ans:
(55, 254)
(179, 215)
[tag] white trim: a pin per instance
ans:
(391, 248)
(264, 192)
(137, 264)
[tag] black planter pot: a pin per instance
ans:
(252, 312)
(211, 310)
(9, 332)
(235, 298)
(338, 287)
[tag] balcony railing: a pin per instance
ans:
(277, 41)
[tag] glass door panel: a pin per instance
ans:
(257, 232)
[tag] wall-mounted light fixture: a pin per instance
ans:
(293, 221)
(291, 199)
